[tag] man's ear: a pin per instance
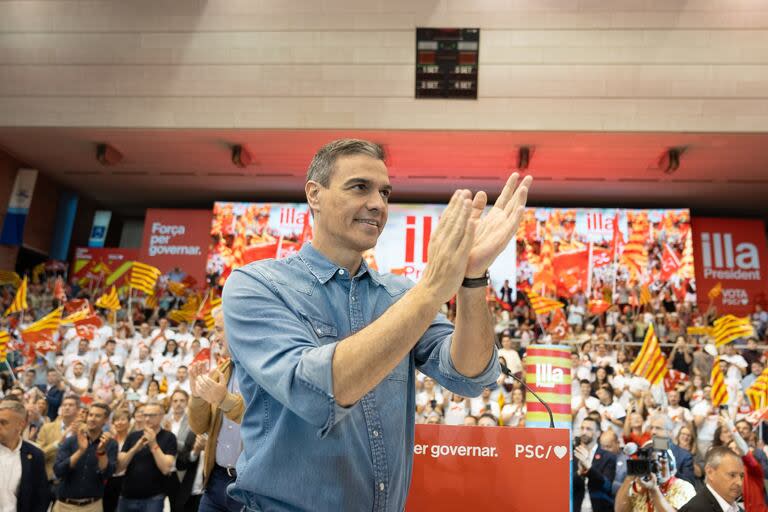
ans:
(312, 190)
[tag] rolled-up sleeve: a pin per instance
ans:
(279, 351)
(433, 357)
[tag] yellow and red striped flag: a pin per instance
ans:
(211, 302)
(19, 303)
(719, 391)
(645, 295)
(187, 312)
(109, 300)
(542, 305)
(5, 337)
(650, 362)
(144, 277)
(38, 337)
(715, 291)
(757, 393)
(729, 327)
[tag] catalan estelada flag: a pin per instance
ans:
(19, 303)
(109, 300)
(542, 305)
(728, 328)
(645, 295)
(650, 362)
(144, 277)
(757, 393)
(719, 391)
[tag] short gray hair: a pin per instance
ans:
(321, 167)
(716, 454)
(669, 425)
(13, 406)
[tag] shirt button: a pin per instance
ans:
(352, 299)
(375, 433)
(381, 486)
(341, 271)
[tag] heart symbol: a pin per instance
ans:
(560, 451)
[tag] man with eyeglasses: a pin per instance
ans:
(148, 457)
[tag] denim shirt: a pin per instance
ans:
(301, 450)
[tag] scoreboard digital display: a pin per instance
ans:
(447, 62)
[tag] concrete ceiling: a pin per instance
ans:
(723, 174)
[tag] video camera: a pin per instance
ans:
(646, 460)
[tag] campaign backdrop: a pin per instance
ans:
(560, 250)
(730, 252)
(177, 239)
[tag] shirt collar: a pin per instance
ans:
(720, 500)
(323, 269)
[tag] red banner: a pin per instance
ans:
(731, 252)
(458, 468)
(100, 268)
(177, 239)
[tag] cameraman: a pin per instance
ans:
(660, 492)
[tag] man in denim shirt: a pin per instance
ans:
(325, 348)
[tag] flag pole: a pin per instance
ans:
(589, 272)
(13, 375)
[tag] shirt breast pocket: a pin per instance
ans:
(324, 332)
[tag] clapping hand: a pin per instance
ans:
(211, 390)
(196, 370)
(581, 453)
(103, 441)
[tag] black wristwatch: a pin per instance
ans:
(475, 282)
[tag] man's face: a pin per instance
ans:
(604, 396)
(110, 348)
(609, 441)
(506, 342)
(96, 419)
(727, 479)
(11, 426)
(586, 389)
(162, 324)
(29, 378)
(68, 408)
(745, 430)
(144, 330)
(659, 428)
(673, 397)
(757, 368)
(179, 403)
(352, 211)
(82, 346)
(78, 369)
(53, 379)
(588, 432)
(181, 374)
(153, 416)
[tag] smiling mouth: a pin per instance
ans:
(369, 222)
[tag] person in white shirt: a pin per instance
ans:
(431, 392)
(456, 410)
(513, 414)
(183, 337)
(677, 413)
(483, 404)
(510, 355)
(705, 417)
(611, 411)
(23, 486)
(79, 382)
(582, 404)
(160, 337)
(182, 379)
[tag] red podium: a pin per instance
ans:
(457, 468)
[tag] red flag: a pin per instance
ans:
(558, 327)
(75, 305)
(598, 306)
(673, 378)
(86, 328)
(58, 290)
(670, 262)
(40, 342)
(570, 270)
(501, 303)
(617, 240)
(306, 232)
